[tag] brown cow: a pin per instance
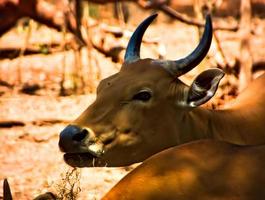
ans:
(203, 170)
(145, 108)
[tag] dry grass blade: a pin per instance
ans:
(69, 186)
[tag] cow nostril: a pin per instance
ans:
(80, 136)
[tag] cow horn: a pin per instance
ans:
(133, 49)
(186, 64)
(7, 192)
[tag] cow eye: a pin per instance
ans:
(142, 96)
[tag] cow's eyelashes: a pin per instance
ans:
(143, 95)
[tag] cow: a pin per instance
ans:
(204, 169)
(145, 108)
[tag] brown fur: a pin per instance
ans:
(204, 170)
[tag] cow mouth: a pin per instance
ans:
(83, 160)
(89, 155)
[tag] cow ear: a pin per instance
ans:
(204, 87)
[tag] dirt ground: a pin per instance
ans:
(29, 153)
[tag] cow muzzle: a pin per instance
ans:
(75, 142)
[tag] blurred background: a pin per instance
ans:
(53, 53)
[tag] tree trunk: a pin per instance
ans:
(245, 58)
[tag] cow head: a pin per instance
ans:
(139, 110)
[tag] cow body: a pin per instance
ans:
(202, 170)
